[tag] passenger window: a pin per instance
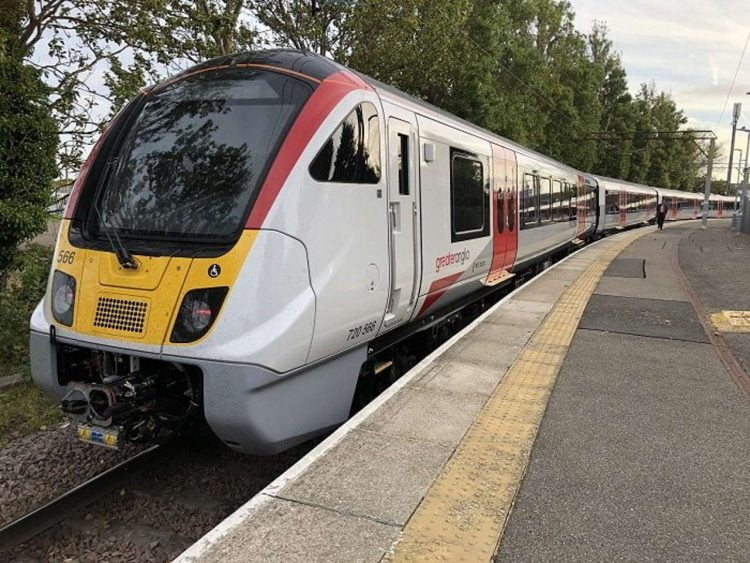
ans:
(545, 200)
(612, 202)
(573, 191)
(352, 154)
(530, 201)
(559, 203)
(403, 164)
(469, 195)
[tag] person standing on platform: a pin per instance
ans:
(661, 214)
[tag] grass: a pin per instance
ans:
(23, 407)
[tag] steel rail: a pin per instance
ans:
(41, 519)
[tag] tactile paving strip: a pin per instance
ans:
(463, 514)
(731, 321)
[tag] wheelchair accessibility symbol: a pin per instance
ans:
(214, 270)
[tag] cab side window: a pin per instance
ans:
(352, 154)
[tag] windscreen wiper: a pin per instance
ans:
(124, 257)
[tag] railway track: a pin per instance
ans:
(41, 519)
(147, 508)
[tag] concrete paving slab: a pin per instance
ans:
(661, 282)
(626, 268)
(546, 290)
(650, 287)
(351, 479)
(429, 415)
(501, 333)
(514, 317)
(460, 377)
(642, 456)
(674, 320)
(489, 345)
(288, 532)
(519, 304)
(485, 353)
(568, 274)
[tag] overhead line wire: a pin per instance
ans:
(736, 72)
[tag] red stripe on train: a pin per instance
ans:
(437, 289)
(326, 96)
(84, 172)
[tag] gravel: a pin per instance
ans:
(155, 516)
(38, 467)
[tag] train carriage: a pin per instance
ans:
(246, 235)
(624, 204)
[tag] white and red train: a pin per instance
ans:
(247, 235)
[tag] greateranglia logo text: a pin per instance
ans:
(452, 258)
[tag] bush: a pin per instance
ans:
(28, 144)
(24, 287)
(23, 408)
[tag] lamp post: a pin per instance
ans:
(739, 170)
(739, 200)
(735, 118)
(747, 146)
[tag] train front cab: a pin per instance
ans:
(158, 307)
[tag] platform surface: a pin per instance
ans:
(588, 416)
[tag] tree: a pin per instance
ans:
(291, 23)
(129, 42)
(28, 142)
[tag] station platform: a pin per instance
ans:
(599, 412)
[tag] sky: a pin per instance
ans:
(688, 48)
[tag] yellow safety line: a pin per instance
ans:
(463, 514)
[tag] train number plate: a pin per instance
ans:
(96, 435)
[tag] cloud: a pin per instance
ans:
(689, 48)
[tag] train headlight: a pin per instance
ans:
(198, 312)
(63, 297)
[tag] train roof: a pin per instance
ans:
(624, 183)
(680, 193)
(303, 63)
(319, 67)
(429, 108)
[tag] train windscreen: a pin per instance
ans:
(196, 155)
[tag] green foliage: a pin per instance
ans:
(22, 290)
(28, 141)
(518, 67)
(24, 408)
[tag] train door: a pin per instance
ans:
(505, 209)
(623, 207)
(403, 221)
(720, 208)
(674, 208)
(582, 204)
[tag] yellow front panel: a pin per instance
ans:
(111, 299)
(140, 305)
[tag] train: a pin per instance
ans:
(250, 239)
